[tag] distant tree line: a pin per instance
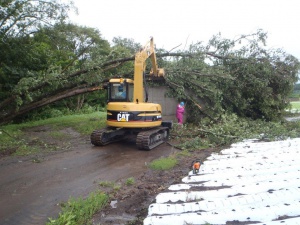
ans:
(297, 87)
(50, 65)
(295, 95)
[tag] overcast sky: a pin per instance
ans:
(174, 22)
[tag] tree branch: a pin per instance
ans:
(46, 101)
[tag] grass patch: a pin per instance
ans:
(163, 163)
(84, 123)
(130, 181)
(13, 137)
(80, 211)
(12, 141)
(295, 105)
(109, 184)
(184, 153)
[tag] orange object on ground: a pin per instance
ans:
(197, 165)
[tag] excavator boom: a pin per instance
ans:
(139, 67)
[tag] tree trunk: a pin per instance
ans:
(35, 105)
(80, 101)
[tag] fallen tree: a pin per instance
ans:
(238, 76)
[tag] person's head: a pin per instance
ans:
(120, 88)
(182, 103)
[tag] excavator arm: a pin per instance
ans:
(155, 71)
(139, 68)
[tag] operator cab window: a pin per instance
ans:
(121, 92)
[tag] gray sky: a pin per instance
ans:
(187, 21)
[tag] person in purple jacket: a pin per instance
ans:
(180, 112)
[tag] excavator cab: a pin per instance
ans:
(120, 90)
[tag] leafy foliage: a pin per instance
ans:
(297, 87)
(22, 17)
(231, 128)
(45, 60)
(56, 70)
(238, 76)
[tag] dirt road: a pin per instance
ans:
(31, 188)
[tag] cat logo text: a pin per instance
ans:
(123, 117)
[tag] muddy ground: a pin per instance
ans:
(32, 188)
(132, 202)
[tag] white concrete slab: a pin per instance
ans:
(250, 181)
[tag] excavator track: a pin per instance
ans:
(106, 136)
(149, 139)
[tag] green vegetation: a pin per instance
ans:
(163, 163)
(192, 137)
(295, 105)
(296, 91)
(109, 184)
(80, 211)
(44, 73)
(14, 140)
(228, 129)
(231, 128)
(83, 123)
(130, 181)
(48, 75)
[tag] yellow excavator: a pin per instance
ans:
(129, 114)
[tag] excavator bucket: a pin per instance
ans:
(159, 77)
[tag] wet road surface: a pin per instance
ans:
(30, 192)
